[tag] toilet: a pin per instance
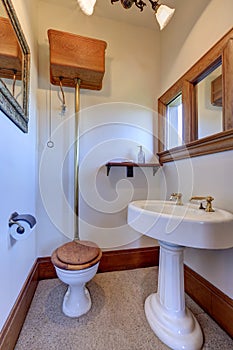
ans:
(76, 263)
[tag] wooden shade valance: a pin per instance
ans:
(76, 57)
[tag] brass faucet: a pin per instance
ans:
(208, 200)
(178, 197)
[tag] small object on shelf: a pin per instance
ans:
(141, 155)
(130, 165)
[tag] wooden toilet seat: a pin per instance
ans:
(76, 255)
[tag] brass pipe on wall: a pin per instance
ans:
(76, 160)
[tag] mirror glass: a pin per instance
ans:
(209, 104)
(14, 67)
(174, 123)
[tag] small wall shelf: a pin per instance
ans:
(130, 165)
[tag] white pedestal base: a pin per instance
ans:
(165, 310)
(77, 301)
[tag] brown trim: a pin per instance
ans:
(189, 116)
(214, 302)
(114, 260)
(162, 108)
(220, 142)
(12, 327)
(221, 52)
(227, 74)
(129, 259)
(46, 269)
(199, 69)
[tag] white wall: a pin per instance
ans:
(184, 41)
(17, 185)
(113, 122)
(109, 132)
(120, 118)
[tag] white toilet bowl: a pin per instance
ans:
(76, 263)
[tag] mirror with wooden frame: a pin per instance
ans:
(196, 113)
(14, 67)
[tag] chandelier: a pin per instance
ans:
(163, 13)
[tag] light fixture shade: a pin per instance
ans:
(163, 15)
(87, 6)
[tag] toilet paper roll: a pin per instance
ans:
(20, 232)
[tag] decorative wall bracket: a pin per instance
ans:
(130, 166)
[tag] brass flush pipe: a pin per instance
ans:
(76, 160)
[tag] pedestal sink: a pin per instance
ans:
(177, 227)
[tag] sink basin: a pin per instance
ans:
(184, 225)
(177, 227)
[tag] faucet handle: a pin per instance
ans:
(208, 200)
(176, 194)
(178, 197)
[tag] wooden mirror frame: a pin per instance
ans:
(8, 104)
(221, 52)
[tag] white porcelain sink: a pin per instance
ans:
(177, 227)
(184, 225)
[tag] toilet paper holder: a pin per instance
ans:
(15, 218)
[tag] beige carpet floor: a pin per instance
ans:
(116, 320)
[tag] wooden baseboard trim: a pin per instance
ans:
(12, 327)
(44, 269)
(127, 259)
(114, 260)
(214, 302)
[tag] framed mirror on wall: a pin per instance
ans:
(14, 67)
(196, 113)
